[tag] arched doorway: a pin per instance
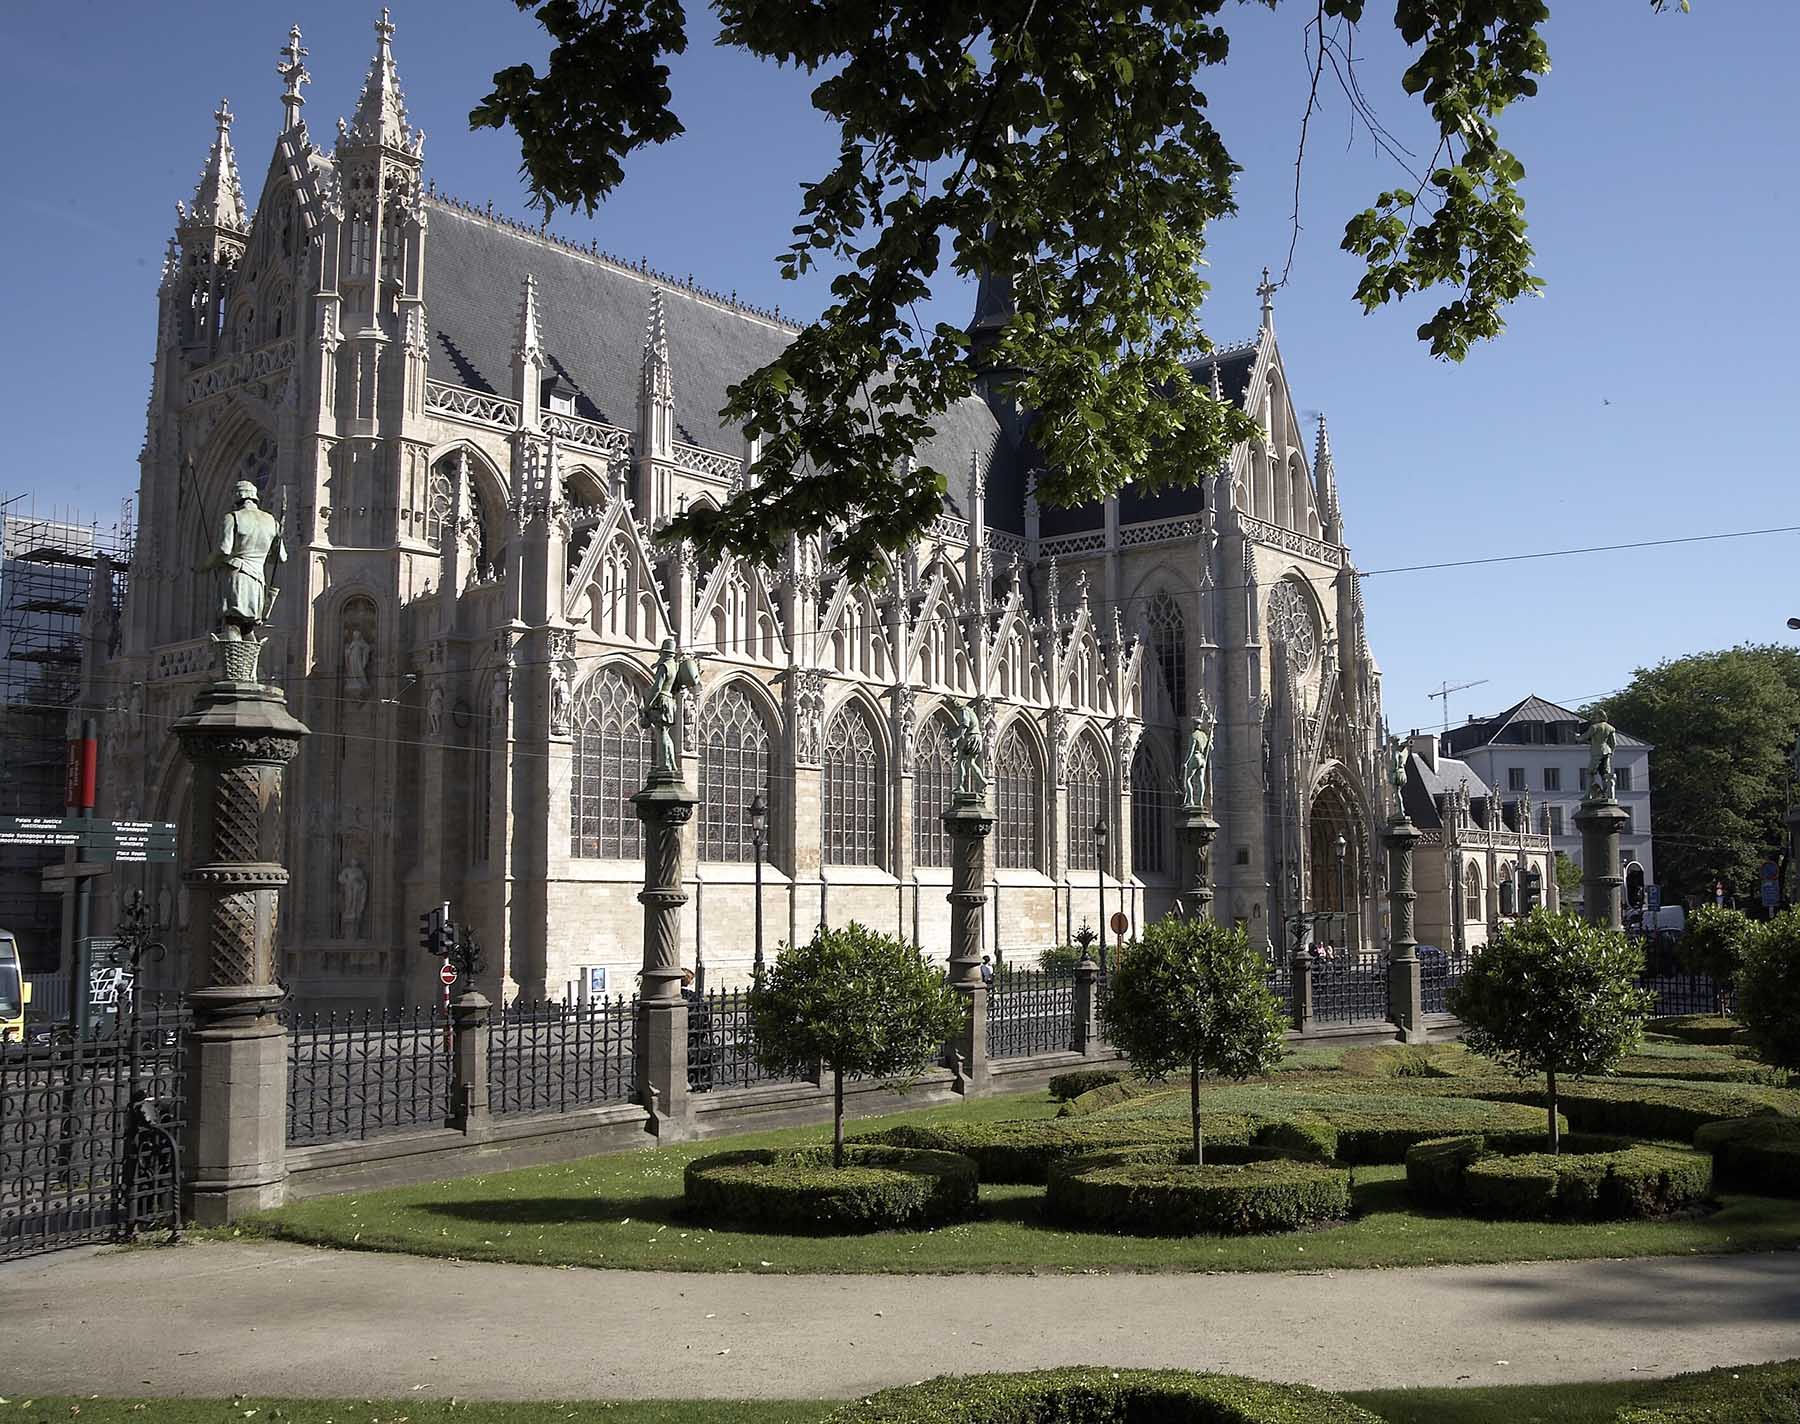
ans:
(1334, 865)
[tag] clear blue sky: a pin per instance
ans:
(1649, 394)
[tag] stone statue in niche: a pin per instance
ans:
(357, 651)
(559, 703)
(434, 713)
(165, 907)
(353, 898)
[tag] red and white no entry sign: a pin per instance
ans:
(446, 975)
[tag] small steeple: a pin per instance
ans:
(381, 112)
(658, 376)
(1267, 292)
(1218, 384)
(528, 343)
(1331, 516)
(218, 197)
(293, 74)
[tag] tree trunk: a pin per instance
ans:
(1555, 1134)
(1194, 1106)
(837, 1116)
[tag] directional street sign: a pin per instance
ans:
(129, 842)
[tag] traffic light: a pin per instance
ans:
(1533, 885)
(431, 932)
(1507, 906)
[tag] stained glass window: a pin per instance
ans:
(1018, 803)
(853, 790)
(734, 767)
(1152, 800)
(1087, 802)
(612, 757)
(932, 774)
(1168, 649)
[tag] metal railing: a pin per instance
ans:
(1682, 994)
(1030, 1011)
(1279, 975)
(722, 1043)
(556, 1057)
(1352, 990)
(1438, 975)
(359, 1074)
(86, 1151)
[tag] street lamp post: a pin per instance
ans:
(759, 816)
(1343, 902)
(1100, 883)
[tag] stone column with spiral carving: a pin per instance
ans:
(239, 738)
(665, 806)
(1406, 993)
(1196, 830)
(968, 823)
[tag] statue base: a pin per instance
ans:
(1197, 831)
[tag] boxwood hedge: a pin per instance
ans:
(1631, 1108)
(1749, 1394)
(1593, 1177)
(1067, 1086)
(1159, 1191)
(1699, 1028)
(1086, 1395)
(1754, 1154)
(797, 1189)
(1022, 1151)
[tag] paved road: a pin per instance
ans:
(220, 1318)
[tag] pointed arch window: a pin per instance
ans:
(853, 790)
(1087, 802)
(734, 767)
(931, 792)
(1152, 800)
(611, 759)
(1168, 649)
(1472, 906)
(1018, 803)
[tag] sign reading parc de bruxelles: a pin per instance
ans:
(129, 842)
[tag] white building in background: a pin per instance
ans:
(1537, 747)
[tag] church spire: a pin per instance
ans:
(528, 344)
(293, 73)
(218, 197)
(1331, 516)
(381, 111)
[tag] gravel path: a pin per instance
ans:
(221, 1318)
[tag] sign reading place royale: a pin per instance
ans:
(129, 842)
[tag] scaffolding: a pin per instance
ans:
(48, 578)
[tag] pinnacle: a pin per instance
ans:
(381, 111)
(530, 341)
(218, 196)
(656, 333)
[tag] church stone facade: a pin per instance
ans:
(472, 432)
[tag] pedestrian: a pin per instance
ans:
(700, 1038)
(987, 970)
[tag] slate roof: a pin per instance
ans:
(1424, 785)
(593, 312)
(1487, 731)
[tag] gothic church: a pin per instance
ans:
(472, 430)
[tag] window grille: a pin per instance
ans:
(1168, 646)
(1087, 802)
(1152, 797)
(1018, 803)
(932, 786)
(612, 758)
(734, 767)
(852, 821)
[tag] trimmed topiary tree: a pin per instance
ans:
(1554, 994)
(1191, 994)
(857, 1001)
(1769, 990)
(1714, 944)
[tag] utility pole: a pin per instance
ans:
(1443, 694)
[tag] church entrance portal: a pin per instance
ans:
(1334, 868)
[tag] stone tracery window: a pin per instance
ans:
(1291, 624)
(1472, 906)
(1152, 800)
(1018, 803)
(852, 790)
(734, 767)
(611, 759)
(1168, 648)
(1087, 802)
(931, 792)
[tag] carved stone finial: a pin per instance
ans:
(293, 75)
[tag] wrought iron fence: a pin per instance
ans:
(1030, 1011)
(89, 1132)
(1353, 990)
(1682, 994)
(1279, 975)
(1439, 973)
(359, 1074)
(556, 1057)
(722, 1043)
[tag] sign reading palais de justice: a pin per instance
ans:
(130, 842)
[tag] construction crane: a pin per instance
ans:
(1449, 687)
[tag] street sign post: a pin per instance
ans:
(447, 975)
(123, 842)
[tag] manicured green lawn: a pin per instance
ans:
(1751, 1394)
(625, 1211)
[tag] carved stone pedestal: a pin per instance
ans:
(969, 824)
(665, 805)
(239, 738)
(1406, 994)
(1196, 830)
(1600, 823)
